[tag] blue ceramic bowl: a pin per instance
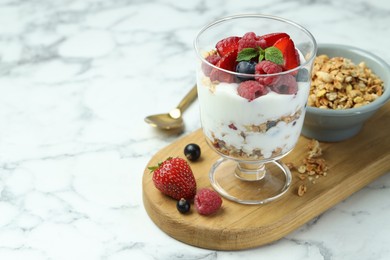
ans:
(330, 125)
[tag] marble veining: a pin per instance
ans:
(76, 80)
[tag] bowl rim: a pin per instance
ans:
(363, 109)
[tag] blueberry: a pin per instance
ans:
(246, 67)
(303, 75)
(183, 206)
(192, 152)
(270, 124)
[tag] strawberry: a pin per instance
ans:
(227, 45)
(174, 177)
(287, 47)
(271, 38)
(227, 62)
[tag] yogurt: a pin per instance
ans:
(265, 128)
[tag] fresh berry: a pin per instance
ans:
(271, 38)
(246, 67)
(287, 47)
(183, 206)
(227, 62)
(251, 89)
(251, 40)
(213, 59)
(270, 124)
(192, 152)
(232, 126)
(174, 178)
(267, 67)
(207, 202)
(285, 84)
(227, 45)
(303, 75)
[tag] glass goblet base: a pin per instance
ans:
(250, 183)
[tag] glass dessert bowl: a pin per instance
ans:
(253, 82)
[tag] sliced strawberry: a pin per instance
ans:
(287, 47)
(271, 38)
(227, 62)
(227, 45)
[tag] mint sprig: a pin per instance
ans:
(247, 54)
(274, 54)
(271, 54)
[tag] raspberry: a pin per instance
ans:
(232, 126)
(227, 45)
(207, 202)
(213, 59)
(250, 40)
(267, 67)
(285, 84)
(227, 62)
(251, 89)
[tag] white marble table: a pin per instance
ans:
(76, 80)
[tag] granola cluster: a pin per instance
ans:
(313, 166)
(256, 154)
(264, 127)
(232, 151)
(337, 83)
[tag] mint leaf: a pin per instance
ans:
(247, 54)
(262, 54)
(274, 54)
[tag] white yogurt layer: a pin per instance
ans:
(234, 121)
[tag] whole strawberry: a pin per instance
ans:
(174, 178)
(207, 201)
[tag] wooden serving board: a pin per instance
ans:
(352, 164)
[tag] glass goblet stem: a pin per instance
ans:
(250, 171)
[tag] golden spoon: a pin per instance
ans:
(173, 119)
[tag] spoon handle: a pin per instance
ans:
(188, 99)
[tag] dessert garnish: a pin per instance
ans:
(251, 90)
(290, 55)
(227, 62)
(227, 45)
(255, 55)
(174, 177)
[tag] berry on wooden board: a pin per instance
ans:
(207, 201)
(192, 151)
(183, 206)
(174, 178)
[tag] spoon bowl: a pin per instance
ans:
(173, 120)
(165, 121)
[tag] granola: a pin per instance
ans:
(232, 151)
(244, 130)
(302, 190)
(264, 127)
(337, 83)
(313, 166)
